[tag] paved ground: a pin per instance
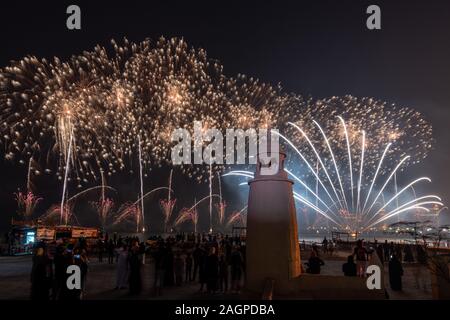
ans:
(15, 283)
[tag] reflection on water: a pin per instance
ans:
(310, 237)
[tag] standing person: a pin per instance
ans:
(349, 268)
(196, 255)
(395, 273)
(66, 293)
(380, 253)
(236, 269)
(159, 257)
(314, 263)
(399, 252)
(391, 250)
(420, 269)
(110, 249)
(315, 249)
(212, 270)
(135, 264)
(386, 250)
(228, 249)
(223, 274)
(40, 272)
(330, 247)
(188, 263)
(60, 271)
(141, 251)
(100, 249)
(81, 259)
(122, 268)
(202, 274)
(179, 269)
(325, 245)
(408, 253)
(169, 267)
(361, 258)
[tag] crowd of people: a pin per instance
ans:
(49, 271)
(389, 253)
(216, 262)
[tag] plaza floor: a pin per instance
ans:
(15, 281)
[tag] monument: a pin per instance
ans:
(273, 252)
(273, 263)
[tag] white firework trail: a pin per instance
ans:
(355, 215)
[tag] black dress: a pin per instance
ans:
(135, 273)
(212, 272)
(395, 274)
(40, 282)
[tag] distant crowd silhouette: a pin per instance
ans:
(216, 262)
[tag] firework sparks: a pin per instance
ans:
(402, 128)
(128, 213)
(92, 107)
(168, 204)
(26, 203)
(221, 208)
(186, 214)
(237, 217)
(358, 214)
(104, 208)
(54, 214)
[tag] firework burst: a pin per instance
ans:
(98, 102)
(350, 195)
(343, 119)
(53, 215)
(186, 214)
(26, 203)
(104, 209)
(128, 213)
(236, 218)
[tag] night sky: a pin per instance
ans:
(318, 48)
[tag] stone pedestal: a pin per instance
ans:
(272, 237)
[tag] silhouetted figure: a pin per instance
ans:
(135, 264)
(325, 245)
(399, 252)
(122, 268)
(236, 264)
(202, 272)
(66, 293)
(380, 253)
(81, 260)
(315, 248)
(100, 249)
(197, 256)
(188, 263)
(179, 269)
(420, 270)
(395, 273)
(168, 267)
(386, 250)
(40, 276)
(361, 255)
(408, 254)
(223, 274)
(159, 256)
(110, 249)
(349, 268)
(212, 271)
(391, 250)
(314, 263)
(60, 271)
